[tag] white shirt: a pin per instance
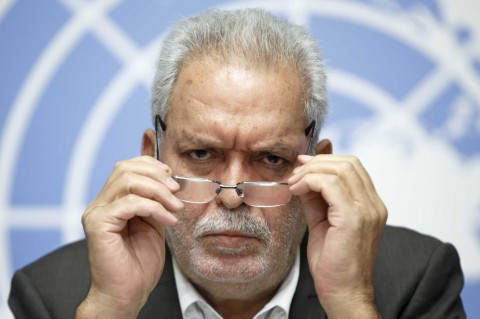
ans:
(194, 306)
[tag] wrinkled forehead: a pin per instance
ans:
(215, 91)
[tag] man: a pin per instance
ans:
(288, 231)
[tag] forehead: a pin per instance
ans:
(231, 100)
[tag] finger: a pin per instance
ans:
(114, 217)
(156, 163)
(147, 166)
(148, 188)
(141, 179)
(349, 175)
(368, 186)
(332, 190)
(305, 158)
(345, 172)
(350, 169)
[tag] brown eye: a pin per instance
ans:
(273, 160)
(200, 155)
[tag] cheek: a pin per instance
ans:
(180, 237)
(287, 223)
(190, 215)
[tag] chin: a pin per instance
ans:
(227, 265)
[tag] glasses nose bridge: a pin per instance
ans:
(238, 190)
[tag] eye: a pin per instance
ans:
(273, 160)
(200, 155)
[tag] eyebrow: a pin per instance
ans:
(279, 148)
(209, 142)
(197, 141)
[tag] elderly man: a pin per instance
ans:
(236, 209)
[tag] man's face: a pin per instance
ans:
(231, 123)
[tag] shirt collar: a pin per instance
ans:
(190, 298)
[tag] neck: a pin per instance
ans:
(241, 308)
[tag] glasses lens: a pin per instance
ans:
(193, 190)
(265, 194)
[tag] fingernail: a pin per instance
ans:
(305, 157)
(176, 202)
(173, 218)
(172, 183)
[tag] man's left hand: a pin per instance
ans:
(345, 218)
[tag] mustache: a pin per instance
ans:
(240, 219)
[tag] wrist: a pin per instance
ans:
(97, 305)
(359, 305)
(364, 311)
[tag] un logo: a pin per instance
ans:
(404, 85)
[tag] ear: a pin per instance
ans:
(324, 147)
(148, 142)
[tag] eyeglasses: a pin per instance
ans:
(198, 190)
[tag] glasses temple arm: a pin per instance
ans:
(309, 131)
(158, 120)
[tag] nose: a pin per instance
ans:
(230, 197)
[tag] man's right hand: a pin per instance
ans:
(124, 227)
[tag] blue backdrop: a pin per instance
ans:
(404, 83)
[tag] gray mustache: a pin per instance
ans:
(240, 220)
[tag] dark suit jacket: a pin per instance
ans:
(415, 276)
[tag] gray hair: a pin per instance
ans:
(253, 35)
